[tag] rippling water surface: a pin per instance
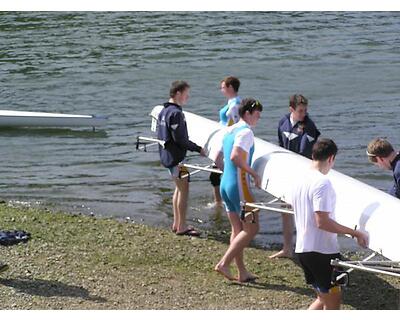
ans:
(121, 64)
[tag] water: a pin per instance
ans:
(121, 65)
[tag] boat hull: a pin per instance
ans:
(10, 118)
(357, 204)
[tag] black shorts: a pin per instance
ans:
(318, 269)
(215, 179)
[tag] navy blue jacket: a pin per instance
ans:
(395, 190)
(172, 129)
(300, 138)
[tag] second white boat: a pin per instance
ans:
(9, 118)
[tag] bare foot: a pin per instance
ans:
(224, 271)
(281, 254)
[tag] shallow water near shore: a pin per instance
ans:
(121, 64)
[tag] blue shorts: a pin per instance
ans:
(178, 171)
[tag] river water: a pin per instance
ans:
(121, 65)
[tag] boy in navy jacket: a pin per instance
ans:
(298, 133)
(172, 130)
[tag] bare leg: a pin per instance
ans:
(182, 193)
(331, 300)
(237, 227)
(316, 305)
(250, 228)
(217, 196)
(219, 163)
(235, 250)
(175, 210)
(287, 228)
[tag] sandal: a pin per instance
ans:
(188, 228)
(189, 232)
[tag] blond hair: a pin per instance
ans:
(379, 147)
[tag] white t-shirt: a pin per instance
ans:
(233, 110)
(314, 192)
(243, 139)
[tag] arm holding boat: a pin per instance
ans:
(308, 138)
(244, 141)
(323, 206)
(238, 156)
(280, 135)
(179, 133)
(324, 222)
(219, 160)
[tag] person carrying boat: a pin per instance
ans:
(298, 133)
(228, 115)
(238, 147)
(172, 130)
(314, 199)
(381, 153)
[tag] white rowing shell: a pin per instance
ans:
(10, 118)
(357, 203)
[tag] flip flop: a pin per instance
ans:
(189, 232)
(188, 228)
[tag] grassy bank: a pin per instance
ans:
(80, 262)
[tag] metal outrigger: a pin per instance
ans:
(386, 267)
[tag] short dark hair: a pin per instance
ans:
(178, 86)
(296, 100)
(232, 81)
(323, 149)
(250, 105)
(379, 147)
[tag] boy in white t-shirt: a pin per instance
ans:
(316, 243)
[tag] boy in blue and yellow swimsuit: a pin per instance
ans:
(228, 115)
(238, 147)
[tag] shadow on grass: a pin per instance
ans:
(367, 291)
(49, 288)
(277, 287)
